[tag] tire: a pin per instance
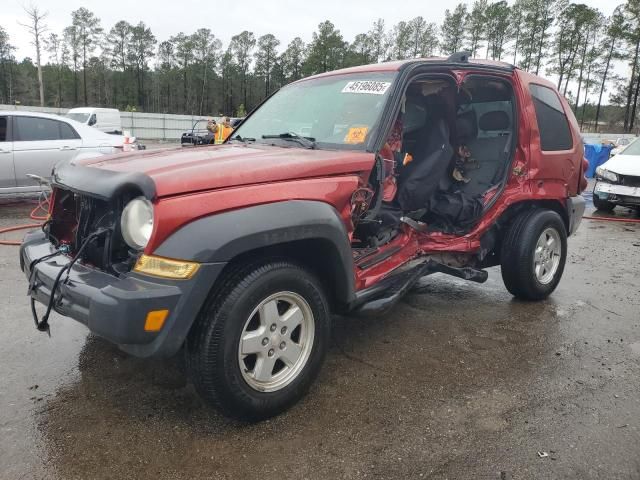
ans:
(603, 205)
(526, 274)
(259, 385)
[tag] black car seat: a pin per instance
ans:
(466, 127)
(428, 172)
(491, 150)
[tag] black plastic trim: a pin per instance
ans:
(575, 210)
(101, 183)
(459, 57)
(383, 295)
(115, 307)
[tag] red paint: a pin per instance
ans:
(185, 170)
(196, 182)
(173, 212)
(396, 65)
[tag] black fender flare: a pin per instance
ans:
(221, 237)
(101, 183)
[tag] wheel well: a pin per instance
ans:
(519, 207)
(494, 236)
(319, 255)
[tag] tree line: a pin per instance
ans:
(127, 67)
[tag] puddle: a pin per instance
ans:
(635, 348)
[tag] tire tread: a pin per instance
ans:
(207, 335)
(516, 249)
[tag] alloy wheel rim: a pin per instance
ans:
(547, 254)
(276, 341)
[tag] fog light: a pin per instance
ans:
(155, 320)
(166, 267)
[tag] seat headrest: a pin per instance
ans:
(467, 126)
(492, 121)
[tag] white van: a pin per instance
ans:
(104, 119)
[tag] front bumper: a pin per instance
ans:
(115, 307)
(618, 194)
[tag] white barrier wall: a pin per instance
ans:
(149, 126)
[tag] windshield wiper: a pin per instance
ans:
(243, 140)
(307, 142)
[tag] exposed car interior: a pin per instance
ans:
(449, 146)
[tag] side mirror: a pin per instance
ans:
(92, 120)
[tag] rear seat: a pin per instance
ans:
(490, 151)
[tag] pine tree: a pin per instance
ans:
(452, 29)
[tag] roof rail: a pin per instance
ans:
(459, 57)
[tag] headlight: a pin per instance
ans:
(606, 174)
(136, 222)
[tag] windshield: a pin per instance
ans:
(338, 111)
(632, 149)
(78, 117)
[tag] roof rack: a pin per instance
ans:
(459, 57)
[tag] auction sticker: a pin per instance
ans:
(367, 86)
(356, 135)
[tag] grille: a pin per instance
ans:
(630, 181)
(628, 200)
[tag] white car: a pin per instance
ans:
(621, 144)
(32, 143)
(618, 180)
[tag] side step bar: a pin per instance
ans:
(386, 293)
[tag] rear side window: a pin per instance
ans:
(32, 129)
(67, 132)
(555, 133)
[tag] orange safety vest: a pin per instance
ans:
(222, 133)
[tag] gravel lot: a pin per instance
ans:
(458, 381)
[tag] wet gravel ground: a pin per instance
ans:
(458, 381)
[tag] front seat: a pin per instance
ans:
(424, 176)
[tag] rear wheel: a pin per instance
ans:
(534, 252)
(261, 340)
(603, 205)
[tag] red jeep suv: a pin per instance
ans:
(335, 195)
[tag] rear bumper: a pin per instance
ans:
(575, 208)
(115, 307)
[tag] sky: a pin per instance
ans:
(286, 19)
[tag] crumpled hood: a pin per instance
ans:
(190, 169)
(624, 165)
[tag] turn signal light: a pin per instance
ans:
(155, 320)
(166, 267)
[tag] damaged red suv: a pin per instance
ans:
(334, 196)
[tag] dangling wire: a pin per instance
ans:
(43, 323)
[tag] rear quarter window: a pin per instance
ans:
(4, 129)
(555, 133)
(67, 132)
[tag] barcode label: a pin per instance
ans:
(367, 86)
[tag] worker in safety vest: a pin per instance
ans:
(223, 130)
(210, 137)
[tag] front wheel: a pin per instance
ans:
(534, 252)
(260, 342)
